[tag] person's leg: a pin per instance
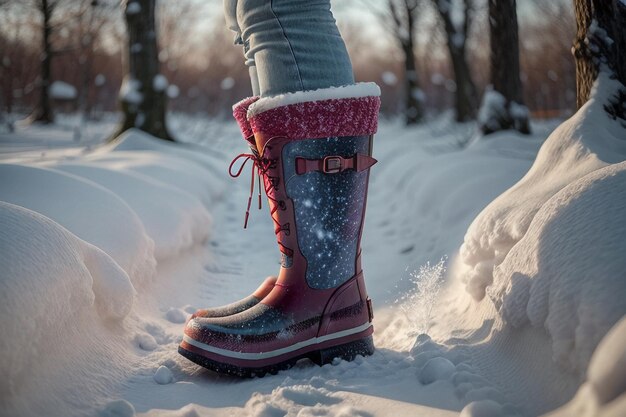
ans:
(293, 44)
(311, 145)
(230, 15)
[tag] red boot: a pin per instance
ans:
(314, 156)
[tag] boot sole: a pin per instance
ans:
(346, 351)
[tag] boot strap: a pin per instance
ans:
(334, 164)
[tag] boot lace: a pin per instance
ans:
(262, 167)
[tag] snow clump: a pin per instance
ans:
(163, 375)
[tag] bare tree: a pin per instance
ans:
(143, 92)
(400, 20)
(600, 45)
(503, 107)
(404, 17)
(96, 17)
(455, 16)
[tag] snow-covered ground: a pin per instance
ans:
(105, 250)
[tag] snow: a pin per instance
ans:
(91, 338)
(175, 315)
(146, 341)
(436, 369)
(133, 8)
(604, 370)
(602, 394)
(457, 14)
(129, 91)
(418, 94)
(99, 80)
(227, 83)
(172, 91)
(492, 108)
(60, 90)
(51, 282)
(159, 83)
(437, 78)
(484, 408)
(91, 212)
(545, 251)
(118, 408)
(389, 78)
(80, 236)
(572, 151)
(350, 91)
(163, 375)
(558, 260)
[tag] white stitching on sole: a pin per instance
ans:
(277, 352)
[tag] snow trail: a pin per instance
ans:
(439, 351)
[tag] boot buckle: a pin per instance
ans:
(332, 164)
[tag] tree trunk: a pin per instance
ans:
(413, 99)
(465, 98)
(466, 101)
(403, 22)
(142, 97)
(600, 45)
(509, 111)
(43, 111)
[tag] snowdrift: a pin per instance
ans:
(549, 254)
(96, 303)
(586, 142)
(89, 211)
(50, 279)
(564, 275)
(604, 392)
(80, 238)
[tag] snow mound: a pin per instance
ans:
(588, 141)
(175, 220)
(88, 210)
(562, 274)
(49, 279)
(604, 392)
(184, 167)
(493, 111)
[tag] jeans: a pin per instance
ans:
(289, 45)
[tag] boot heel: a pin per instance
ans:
(347, 351)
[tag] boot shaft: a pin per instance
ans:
(315, 157)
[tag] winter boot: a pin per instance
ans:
(314, 154)
(240, 113)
